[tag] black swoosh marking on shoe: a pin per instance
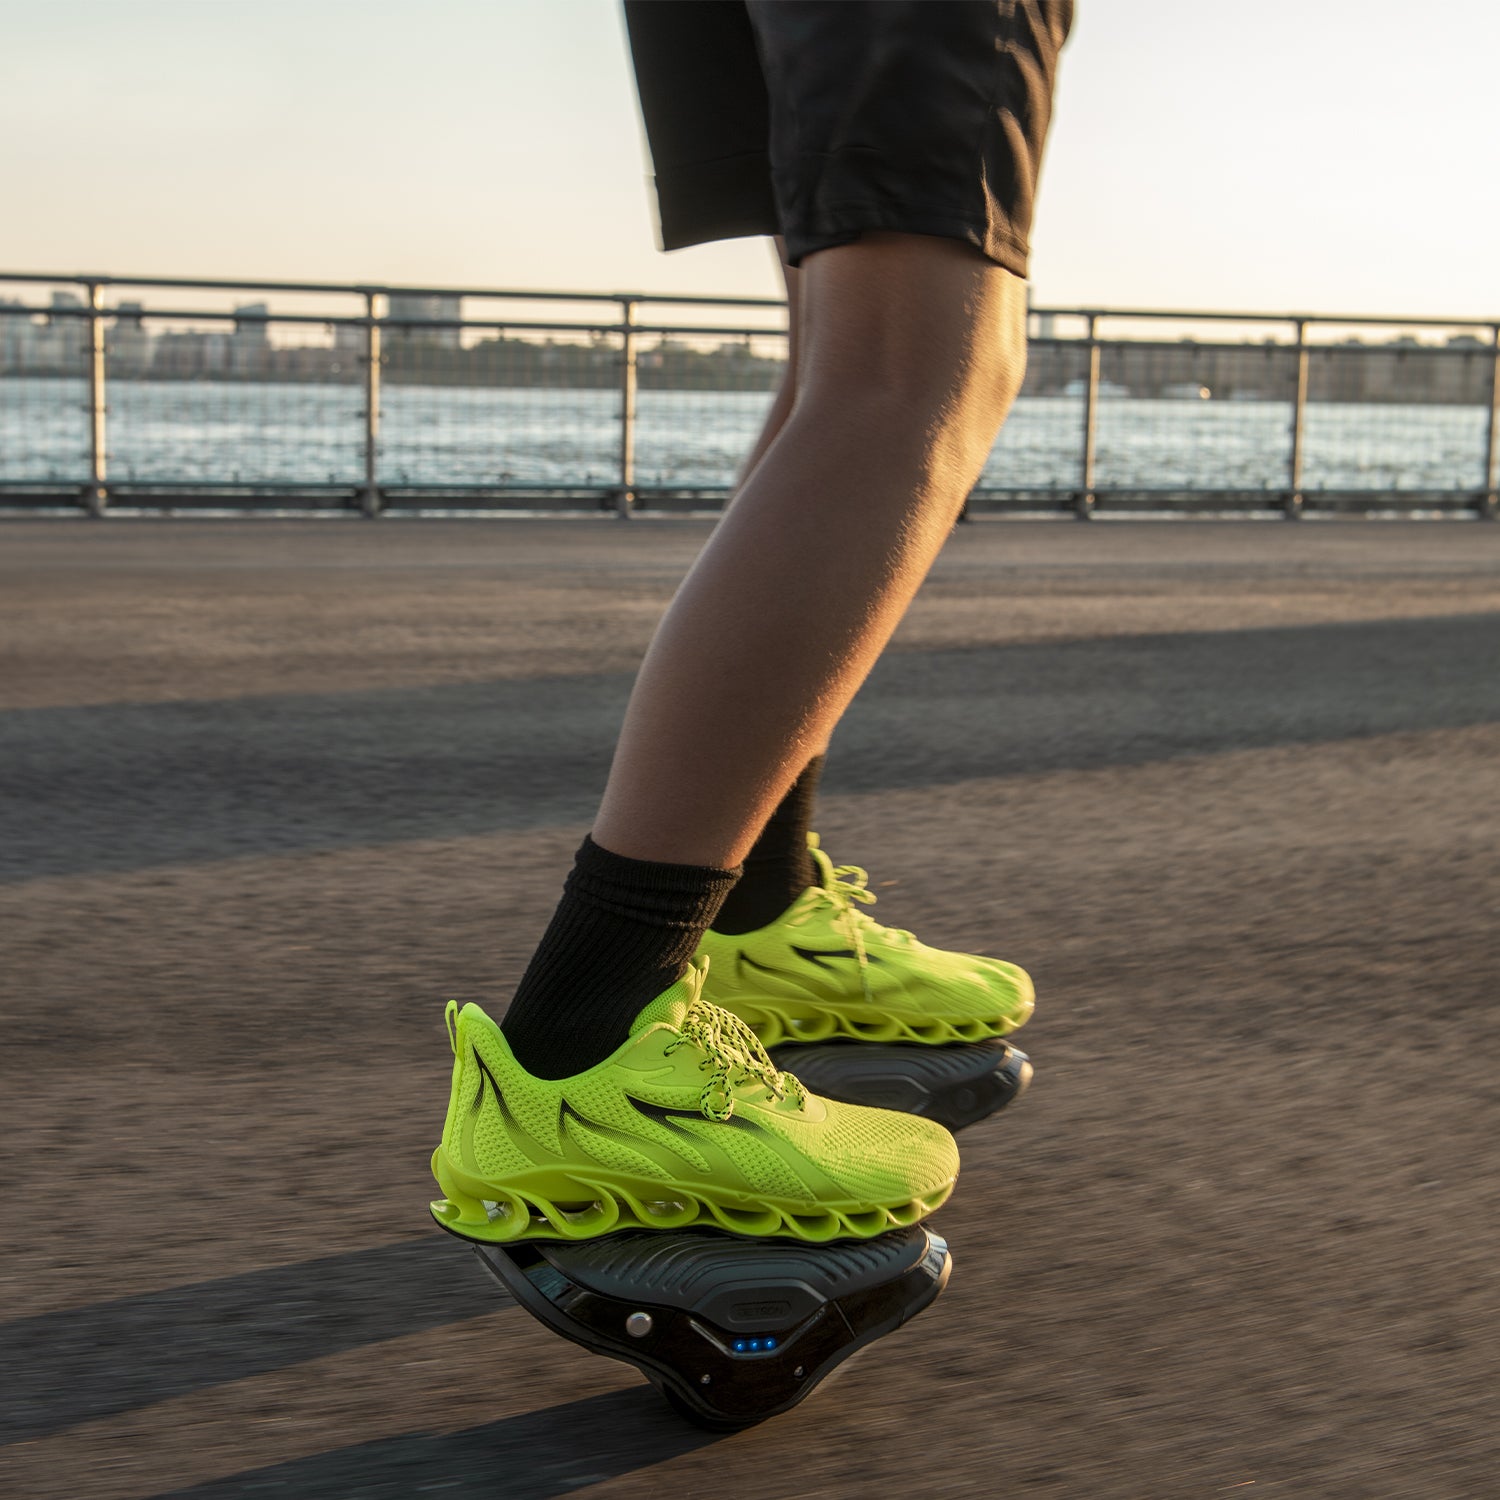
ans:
(744, 958)
(818, 1183)
(614, 1133)
(720, 1162)
(664, 1116)
(541, 1155)
(817, 955)
(814, 956)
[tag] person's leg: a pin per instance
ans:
(589, 1110)
(626, 929)
(780, 864)
(786, 393)
(792, 908)
(911, 350)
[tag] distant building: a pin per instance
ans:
(252, 323)
(250, 343)
(15, 335)
(56, 343)
(192, 354)
(415, 307)
(127, 344)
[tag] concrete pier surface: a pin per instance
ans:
(271, 792)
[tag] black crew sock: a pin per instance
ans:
(780, 867)
(623, 932)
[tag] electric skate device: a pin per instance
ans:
(732, 1330)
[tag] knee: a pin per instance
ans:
(937, 362)
(934, 415)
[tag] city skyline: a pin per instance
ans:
(1328, 158)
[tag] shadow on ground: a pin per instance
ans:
(90, 1362)
(533, 1456)
(128, 786)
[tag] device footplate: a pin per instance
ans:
(731, 1330)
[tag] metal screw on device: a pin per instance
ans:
(638, 1325)
(704, 1379)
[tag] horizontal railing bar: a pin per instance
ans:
(363, 289)
(1179, 346)
(1311, 319)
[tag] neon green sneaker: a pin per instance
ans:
(826, 969)
(688, 1124)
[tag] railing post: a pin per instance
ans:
(1293, 507)
(96, 496)
(1084, 505)
(625, 500)
(369, 498)
(1489, 502)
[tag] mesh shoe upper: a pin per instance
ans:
(688, 1120)
(825, 968)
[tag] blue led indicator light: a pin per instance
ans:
(770, 1343)
(739, 1346)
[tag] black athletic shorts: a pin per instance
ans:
(819, 119)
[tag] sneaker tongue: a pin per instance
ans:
(671, 1006)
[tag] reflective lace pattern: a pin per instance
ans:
(733, 1053)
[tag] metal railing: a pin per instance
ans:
(376, 400)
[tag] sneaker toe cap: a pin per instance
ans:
(883, 1156)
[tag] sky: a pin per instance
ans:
(1292, 155)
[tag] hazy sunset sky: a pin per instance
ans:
(1327, 155)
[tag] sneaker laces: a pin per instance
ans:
(844, 886)
(735, 1054)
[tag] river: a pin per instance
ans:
(221, 432)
